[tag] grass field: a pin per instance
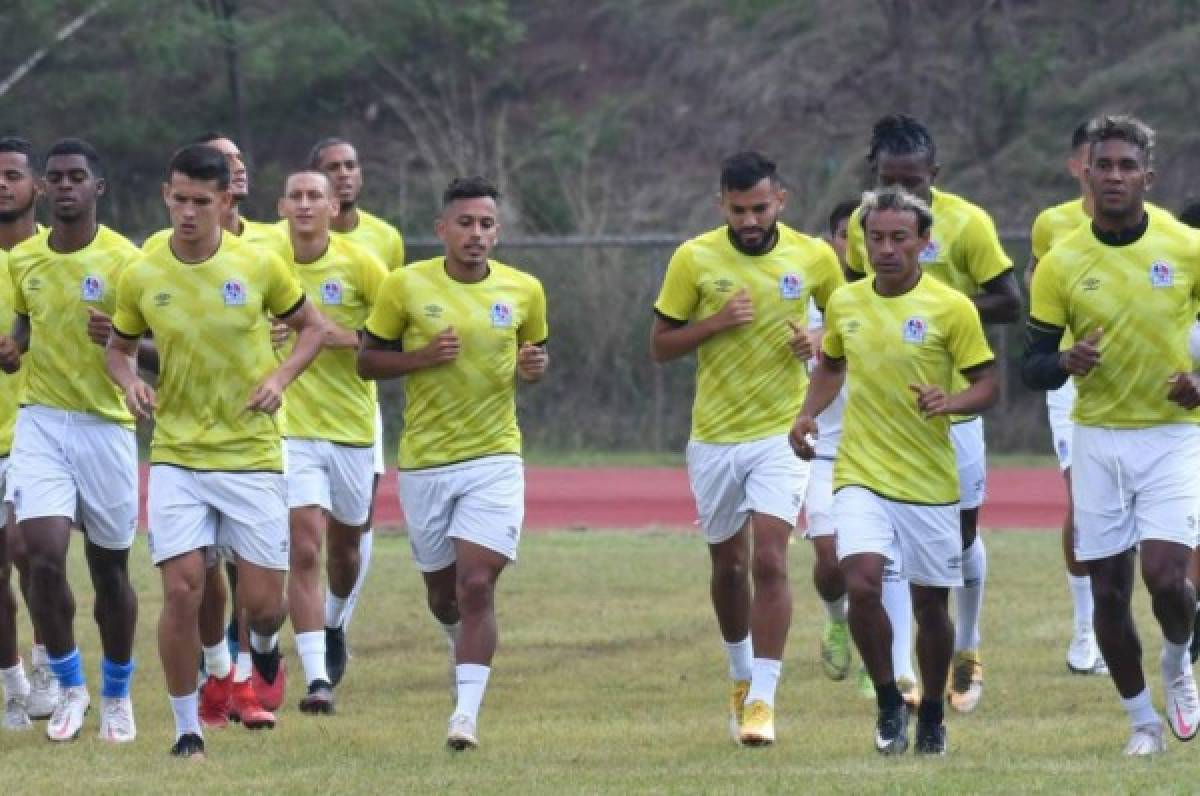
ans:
(610, 679)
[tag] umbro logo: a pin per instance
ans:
(34, 283)
(433, 311)
(162, 299)
(723, 285)
(1091, 283)
(851, 326)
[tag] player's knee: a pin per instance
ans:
(182, 594)
(1111, 596)
(770, 566)
(863, 587)
(474, 590)
(304, 557)
(46, 570)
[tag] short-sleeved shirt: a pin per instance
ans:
(10, 384)
(1142, 295)
(210, 325)
(464, 409)
(749, 385)
(63, 368)
(926, 336)
(328, 400)
(378, 237)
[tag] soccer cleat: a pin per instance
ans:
(116, 720)
(1183, 705)
(216, 696)
(758, 724)
(319, 699)
(966, 681)
(1083, 656)
(930, 740)
(245, 707)
(269, 678)
(15, 715)
(189, 746)
(891, 730)
(835, 650)
(460, 735)
(43, 692)
(335, 654)
(67, 718)
(737, 707)
(910, 691)
(1146, 740)
(866, 689)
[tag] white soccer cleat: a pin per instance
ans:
(1146, 740)
(43, 693)
(461, 733)
(116, 720)
(67, 719)
(1083, 655)
(1183, 705)
(15, 715)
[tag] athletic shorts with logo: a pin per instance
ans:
(1059, 404)
(970, 454)
(338, 478)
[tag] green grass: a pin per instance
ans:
(611, 679)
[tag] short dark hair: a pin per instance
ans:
(743, 171)
(209, 137)
(1190, 212)
(900, 134)
(469, 188)
(841, 211)
(200, 162)
(1083, 133)
(895, 198)
(315, 172)
(314, 154)
(1125, 128)
(76, 146)
(20, 146)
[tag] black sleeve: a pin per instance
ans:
(1040, 368)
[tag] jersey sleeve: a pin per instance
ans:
(1047, 304)
(968, 345)
(388, 319)
(986, 258)
(534, 328)
(832, 343)
(1041, 235)
(128, 321)
(397, 256)
(284, 294)
(856, 243)
(829, 275)
(680, 294)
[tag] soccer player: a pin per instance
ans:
(1125, 287)
(1190, 214)
(74, 453)
(903, 336)
(964, 253)
(459, 328)
(216, 477)
(738, 295)
(330, 426)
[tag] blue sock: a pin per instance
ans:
(116, 677)
(68, 669)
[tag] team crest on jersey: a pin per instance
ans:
(91, 288)
(502, 315)
(930, 252)
(914, 330)
(234, 293)
(1161, 274)
(331, 292)
(791, 286)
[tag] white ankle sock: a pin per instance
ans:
(968, 598)
(836, 610)
(39, 656)
(15, 682)
(335, 610)
(897, 602)
(741, 658)
(187, 714)
(217, 661)
(1081, 598)
(311, 647)
(263, 645)
(366, 544)
(764, 680)
(472, 681)
(244, 668)
(1175, 659)
(1141, 709)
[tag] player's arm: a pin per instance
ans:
(306, 321)
(532, 359)
(980, 394)
(671, 338)
(12, 347)
(99, 327)
(120, 357)
(1029, 269)
(386, 359)
(824, 384)
(1000, 299)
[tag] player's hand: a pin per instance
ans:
(140, 398)
(1080, 358)
(1185, 390)
(267, 397)
(803, 434)
(280, 334)
(932, 400)
(10, 355)
(99, 326)
(738, 311)
(531, 361)
(443, 348)
(800, 343)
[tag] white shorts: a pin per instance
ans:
(730, 481)
(1059, 404)
(338, 478)
(1130, 485)
(380, 466)
(922, 544)
(818, 499)
(481, 501)
(970, 453)
(237, 514)
(79, 466)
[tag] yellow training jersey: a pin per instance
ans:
(328, 400)
(209, 322)
(1142, 295)
(10, 385)
(929, 335)
(1055, 223)
(463, 409)
(378, 237)
(63, 368)
(748, 383)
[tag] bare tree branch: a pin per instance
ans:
(64, 33)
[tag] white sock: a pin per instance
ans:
(741, 658)
(263, 645)
(335, 609)
(15, 683)
(311, 647)
(217, 661)
(245, 666)
(897, 603)
(1081, 598)
(1141, 709)
(472, 682)
(1175, 659)
(366, 543)
(836, 610)
(187, 714)
(968, 598)
(39, 656)
(764, 680)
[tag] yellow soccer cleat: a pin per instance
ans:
(758, 724)
(966, 681)
(737, 700)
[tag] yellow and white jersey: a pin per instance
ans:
(378, 237)
(256, 233)
(10, 384)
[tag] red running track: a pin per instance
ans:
(602, 497)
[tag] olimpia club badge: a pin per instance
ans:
(930, 253)
(791, 286)
(234, 293)
(91, 288)
(914, 330)
(1161, 274)
(331, 292)
(502, 315)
